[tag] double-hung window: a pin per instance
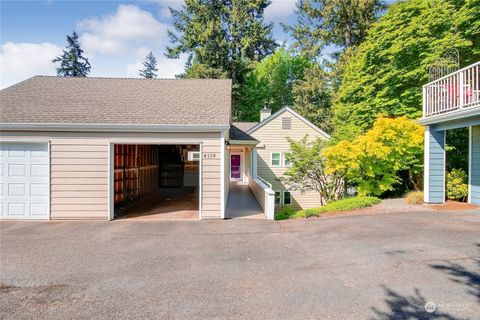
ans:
(287, 198)
(276, 158)
(286, 162)
(278, 197)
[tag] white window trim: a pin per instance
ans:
(279, 160)
(275, 198)
(284, 158)
(283, 198)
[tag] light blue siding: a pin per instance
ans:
(436, 166)
(475, 166)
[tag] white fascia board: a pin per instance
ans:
(240, 142)
(279, 112)
(75, 127)
(450, 116)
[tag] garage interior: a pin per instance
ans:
(156, 181)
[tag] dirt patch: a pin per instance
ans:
(453, 206)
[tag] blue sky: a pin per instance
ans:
(116, 35)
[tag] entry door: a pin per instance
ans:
(24, 180)
(235, 167)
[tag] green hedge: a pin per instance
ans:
(340, 205)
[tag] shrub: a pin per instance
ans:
(414, 197)
(340, 205)
(374, 159)
(457, 187)
(284, 213)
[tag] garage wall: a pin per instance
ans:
(79, 178)
(211, 179)
(79, 168)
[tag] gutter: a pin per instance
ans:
(84, 127)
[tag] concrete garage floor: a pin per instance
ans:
(378, 266)
(164, 204)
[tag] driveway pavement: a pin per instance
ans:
(378, 266)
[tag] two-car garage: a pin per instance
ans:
(99, 148)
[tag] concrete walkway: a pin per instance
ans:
(242, 203)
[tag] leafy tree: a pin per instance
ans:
(373, 160)
(384, 75)
(312, 95)
(457, 149)
(271, 82)
(308, 173)
(72, 61)
(149, 67)
(221, 36)
(342, 23)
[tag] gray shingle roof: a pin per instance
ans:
(117, 101)
(237, 134)
(244, 126)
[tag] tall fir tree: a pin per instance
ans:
(72, 61)
(149, 70)
(341, 23)
(223, 36)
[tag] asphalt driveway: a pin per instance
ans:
(380, 266)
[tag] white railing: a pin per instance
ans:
(268, 184)
(457, 91)
(262, 190)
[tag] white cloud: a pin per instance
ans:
(118, 43)
(125, 30)
(167, 68)
(280, 10)
(19, 61)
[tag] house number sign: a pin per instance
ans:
(210, 155)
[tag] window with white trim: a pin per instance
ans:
(275, 159)
(286, 162)
(278, 197)
(287, 198)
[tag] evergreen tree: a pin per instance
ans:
(342, 23)
(149, 67)
(72, 62)
(221, 36)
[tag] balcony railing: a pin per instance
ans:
(457, 91)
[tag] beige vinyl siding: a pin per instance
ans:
(274, 139)
(79, 189)
(79, 168)
(211, 179)
(226, 181)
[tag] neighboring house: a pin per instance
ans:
(269, 157)
(451, 102)
(100, 148)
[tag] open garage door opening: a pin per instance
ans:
(156, 181)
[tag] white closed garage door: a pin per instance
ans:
(24, 188)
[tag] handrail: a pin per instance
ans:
(450, 74)
(265, 182)
(457, 91)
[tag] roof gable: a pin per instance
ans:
(293, 113)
